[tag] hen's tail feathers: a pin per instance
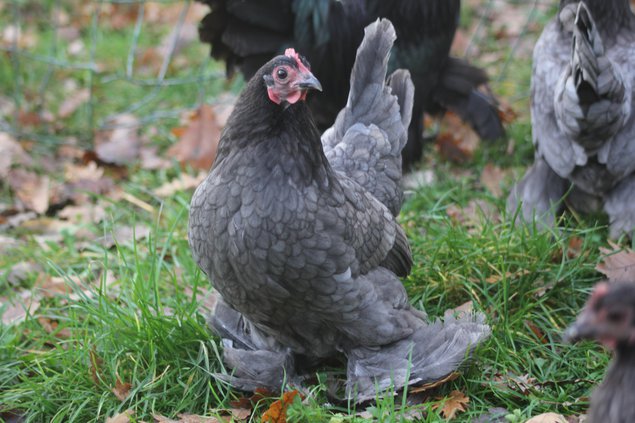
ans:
(246, 33)
(402, 87)
(459, 92)
(366, 140)
(593, 104)
(430, 354)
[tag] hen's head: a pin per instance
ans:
(288, 78)
(608, 317)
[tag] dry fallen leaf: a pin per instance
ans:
(198, 139)
(150, 159)
(455, 403)
(31, 189)
(457, 142)
(121, 389)
(475, 214)
(121, 417)
(537, 331)
(182, 183)
(25, 304)
(548, 418)
(491, 178)
(435, 384)
(186, 418)
(277, 412)
(120, 145)
(73, 102)
(11, 153)
(89, 172)
(124, 235)
(95, 365)
(85, 213)
(618, 265)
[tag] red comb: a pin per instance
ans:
(290, 52)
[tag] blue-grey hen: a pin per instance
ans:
(609, 317)
(298, 234)
(582, 116)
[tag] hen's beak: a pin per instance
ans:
(583, 328)
(308, 81)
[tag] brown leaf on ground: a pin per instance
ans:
(186, 418)
(475, 214)
(548, 418)
(8, 243)
(182, 183)
(32, 190)
(524, 384)
(435, 384)
(125, 235)
(52, 327)
(618, 265)
(497, 277)
(88, 172)
(150, 159)
(240, 414)
(457, 142)
(259, 394)
(85, 213)
(505, 112)
(537, 331)
(121, 417)
(25, 304)
(121, 389)
(491, 178)
(121, 145)
(20, 272)
(455, 403)
(73, 102)
(277, 412)
(95, 365)
(198, 139)
(11, 153)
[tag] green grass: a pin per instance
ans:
(135, 313)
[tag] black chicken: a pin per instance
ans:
(583, 117)
(246, 33)
(609, 317)
(299, 234)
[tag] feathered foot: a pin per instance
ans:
(257, 360)
(620, 206)
(434, 351)
(540, 195)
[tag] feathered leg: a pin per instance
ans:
(434, 351)
(257, 360)
(620, 206)
(539, 193)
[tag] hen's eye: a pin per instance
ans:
(281, 73)
(615, 316)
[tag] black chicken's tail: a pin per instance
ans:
(246, 33)
(459, 92)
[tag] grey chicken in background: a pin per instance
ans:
(298, 234)
(609, 317)
(583, 120)
(247, 33)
